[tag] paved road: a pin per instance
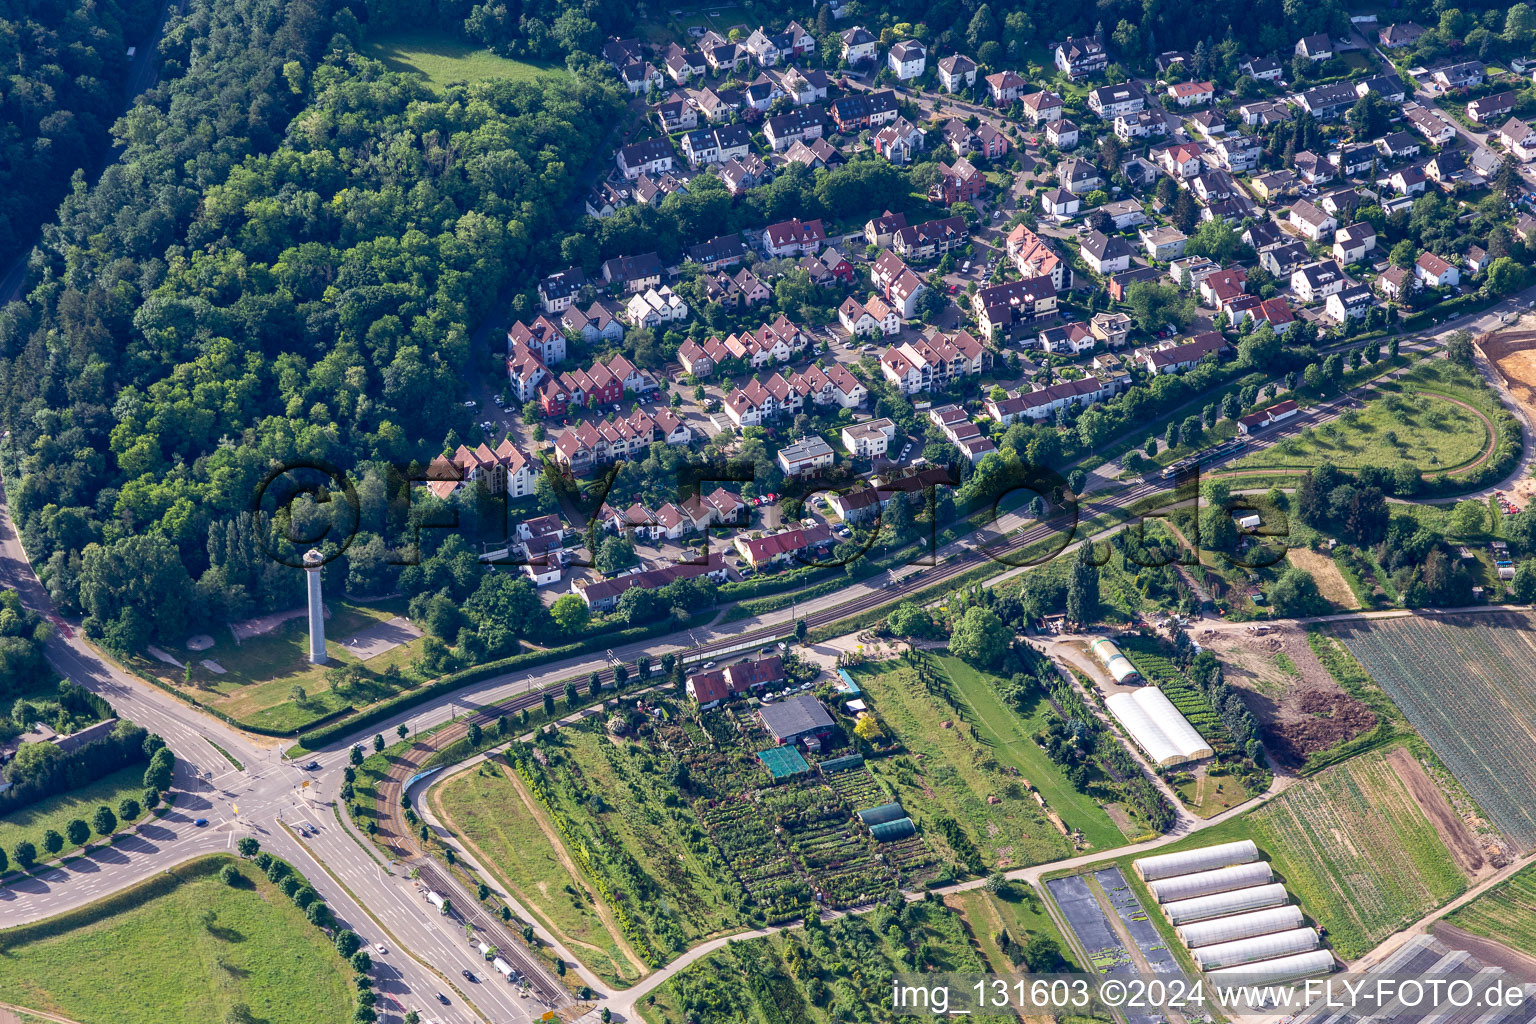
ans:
(265, 792)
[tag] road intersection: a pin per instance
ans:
(243, 786)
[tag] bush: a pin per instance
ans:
(231, 876)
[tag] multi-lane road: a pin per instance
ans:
(243, 786)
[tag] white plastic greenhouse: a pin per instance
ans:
(1285, 968)
(1204, 883)
(1255, 949)
(1157, 727)
(1118, 664)
(1241, 926)
(1173, 723)
(1207, 858)
(1237, 901)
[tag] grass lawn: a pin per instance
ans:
(1022, 915)
(953, 764)
(1011, 734)
(55, 812)
(1430, 433)
(1424, 430)
(190, 955)
(1207, 797)
(260, 673)
(443, 59)
(485, 808)
(1506, 913)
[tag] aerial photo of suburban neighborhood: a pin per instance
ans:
(769, 512)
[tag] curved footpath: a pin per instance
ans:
(375, 898)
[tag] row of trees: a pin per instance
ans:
(40, 770)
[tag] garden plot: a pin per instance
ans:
(1357, 850)
(1506, 913)
(1106, 953)
(1086, 919)
(1134, 916)
(796, 840)
(1464, 683)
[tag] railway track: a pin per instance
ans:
(394, 831)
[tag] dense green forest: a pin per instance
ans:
(285, 264)
(65, 69)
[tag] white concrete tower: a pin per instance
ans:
(313, 561)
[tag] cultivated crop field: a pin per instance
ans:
(1505, 914)
(1465, 684)
(1356, 849)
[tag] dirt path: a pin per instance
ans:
(434, 796)
(1431, 800)
(8, 1015)
(552, 837)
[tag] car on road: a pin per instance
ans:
(709, 664)
(200, 822)
(380, 947)
(313, 766)
(469, 976)
(442, 999)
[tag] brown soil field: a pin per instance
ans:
(1329, 581)
(1299, 715)
(1491, 953)
(1513, 354)
(1431, 799)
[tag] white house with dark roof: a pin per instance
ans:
(1316, 281)
(907, 59)
(651, 156)
(956, 72)
(1106, 254)
(860, 45)
(1519, 139)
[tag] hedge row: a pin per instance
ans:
(452, 681)
(230, 720)
(1468, 303)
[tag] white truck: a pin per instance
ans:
(437, 901)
